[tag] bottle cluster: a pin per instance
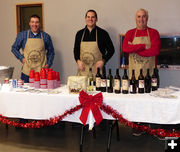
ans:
(116, 84)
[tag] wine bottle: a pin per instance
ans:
(141, 82)
(109, 82)
(147, 82)
(90, 80)
(98, 80)
(103, 80)
(125, 85)
(117, 82)
(154, 81)
(133, 85)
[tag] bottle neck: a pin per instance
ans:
(125, 72)
(133, 73)
(109, 71)
(117, 71)
(141, 72)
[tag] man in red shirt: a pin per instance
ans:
(142, 44)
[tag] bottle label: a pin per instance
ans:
(108, 83)
(91, 86)
(141, 83)
(154, 82)
(103, 82)
(92, 83)
(124, 84)
(131, 88)
(116, 84)
(98, 82)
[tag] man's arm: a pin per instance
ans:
(77, 46)
(109, 48)
(17, 46)
(50, 50)
(128, 47)
(77, 43)
(154, 50)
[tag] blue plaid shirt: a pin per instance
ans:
(21, 42)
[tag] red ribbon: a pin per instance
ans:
(92, 103)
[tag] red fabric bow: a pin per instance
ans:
(92, 103)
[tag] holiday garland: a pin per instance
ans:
(89, 102)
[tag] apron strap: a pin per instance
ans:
(27, 34)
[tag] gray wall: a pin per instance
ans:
(63, 18)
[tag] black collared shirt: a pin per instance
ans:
(104, 42)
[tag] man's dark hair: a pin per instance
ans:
(91, 10)
(34, 16)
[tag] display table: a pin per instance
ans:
(134, 107)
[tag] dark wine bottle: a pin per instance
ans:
(109, 82)
(117, 82)
(154, 81)
(125, 85)
(141, 82)
(103, 80)
(98, 80)
(147, 82)
(133, 85)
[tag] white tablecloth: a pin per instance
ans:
(134, 107)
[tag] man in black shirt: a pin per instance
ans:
(93, 46)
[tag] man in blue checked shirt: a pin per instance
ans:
(38, 50)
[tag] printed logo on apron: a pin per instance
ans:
(34, 58)
(88, 58)
(89, 55)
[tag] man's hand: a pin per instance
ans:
(23, 61)
(80, 65)
(148, 46)
(46, 66)
(130, 43)
(99, 64)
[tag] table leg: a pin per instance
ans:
(117, 130)
(82, 138)
(6, 126)
(94, 133)
(109, 137)
(112, 125)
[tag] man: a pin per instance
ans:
(143, 45)
(38, 50)
(93, 46)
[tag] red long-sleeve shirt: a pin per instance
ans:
(140, 49)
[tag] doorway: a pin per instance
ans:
(24, 12)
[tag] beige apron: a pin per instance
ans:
(89, 55)
(137, 62)
(35, 54)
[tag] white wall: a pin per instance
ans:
(63, 18)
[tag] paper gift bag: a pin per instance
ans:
(77, 83)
